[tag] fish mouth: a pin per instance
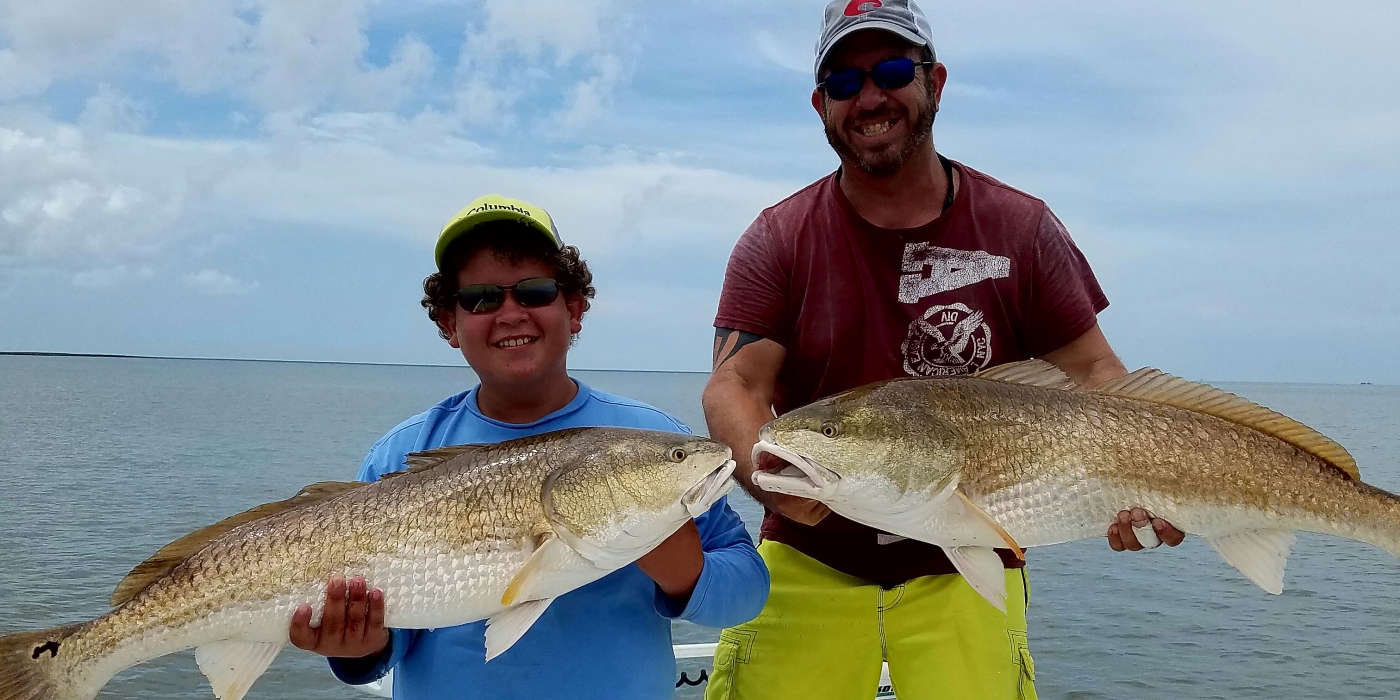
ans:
(802, 477)
(698, 498)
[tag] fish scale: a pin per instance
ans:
(443, 541)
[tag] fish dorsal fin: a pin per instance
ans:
(418, 461)
(170, 556)
(1155, 386)
(1031, 373)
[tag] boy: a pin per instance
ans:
(510, 296)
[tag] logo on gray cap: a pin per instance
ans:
(902, 18)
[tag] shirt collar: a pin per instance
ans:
(577, 403)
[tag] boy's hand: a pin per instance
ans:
(352, 626)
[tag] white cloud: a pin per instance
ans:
(533, 28)
(784, 54)
(106, 277)
(110, 110)
(215, 283)
(591, 98)
(63, 194)
(18, 78)
(479, 102)
(523, 46)
(277, 54)
(60, 39)
(308, 53)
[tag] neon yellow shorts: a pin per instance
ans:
(824, 634)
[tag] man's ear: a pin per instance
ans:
(818, 104)
(575, 306)
(938, 77)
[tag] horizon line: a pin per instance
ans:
(42, 353)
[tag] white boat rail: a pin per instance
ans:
(384, 687)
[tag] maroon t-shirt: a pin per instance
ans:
(995, 279)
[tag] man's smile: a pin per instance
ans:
(875, 128)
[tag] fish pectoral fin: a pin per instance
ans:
(554, 568)
(986, 527)
(504, 629)
(981, 567)
(232, 667)
(539, 561)
(1259, 554)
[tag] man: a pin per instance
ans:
(900, 263)
(511, 297)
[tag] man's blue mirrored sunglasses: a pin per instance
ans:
(888, 75)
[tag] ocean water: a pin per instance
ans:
(104, 460)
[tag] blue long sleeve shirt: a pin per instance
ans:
(608, 640)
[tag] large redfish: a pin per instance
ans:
(1019, 456)
(474, 532)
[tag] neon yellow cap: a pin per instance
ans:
(494, 207)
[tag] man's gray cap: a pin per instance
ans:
(902, 18)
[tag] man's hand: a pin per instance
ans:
(676, 563)
(800, 510)
(1121, 535)
(352, 626)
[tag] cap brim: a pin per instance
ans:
(874, 24)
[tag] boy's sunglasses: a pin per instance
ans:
(888, 75)
(485, 298)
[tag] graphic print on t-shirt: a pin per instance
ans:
(948, 269)
(948, 339)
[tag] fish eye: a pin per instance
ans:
(831, 430)
(677, 454)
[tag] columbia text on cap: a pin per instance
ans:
(494, 207)
(902, 18)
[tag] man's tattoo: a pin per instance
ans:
(729, 342)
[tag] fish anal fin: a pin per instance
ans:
(1259, 554)
(170, 556)
(982, 568)
(232, 667)
(504, 629)
(1031, 373)
(1153, 385)
(418, 461)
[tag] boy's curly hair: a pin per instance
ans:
(509, 242)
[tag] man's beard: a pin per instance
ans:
(888, 160)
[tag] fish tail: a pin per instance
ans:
(31, 667)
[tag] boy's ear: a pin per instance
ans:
(575, 305)
(448, 323)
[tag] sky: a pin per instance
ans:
(266, 178)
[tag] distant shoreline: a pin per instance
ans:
(23, 353)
